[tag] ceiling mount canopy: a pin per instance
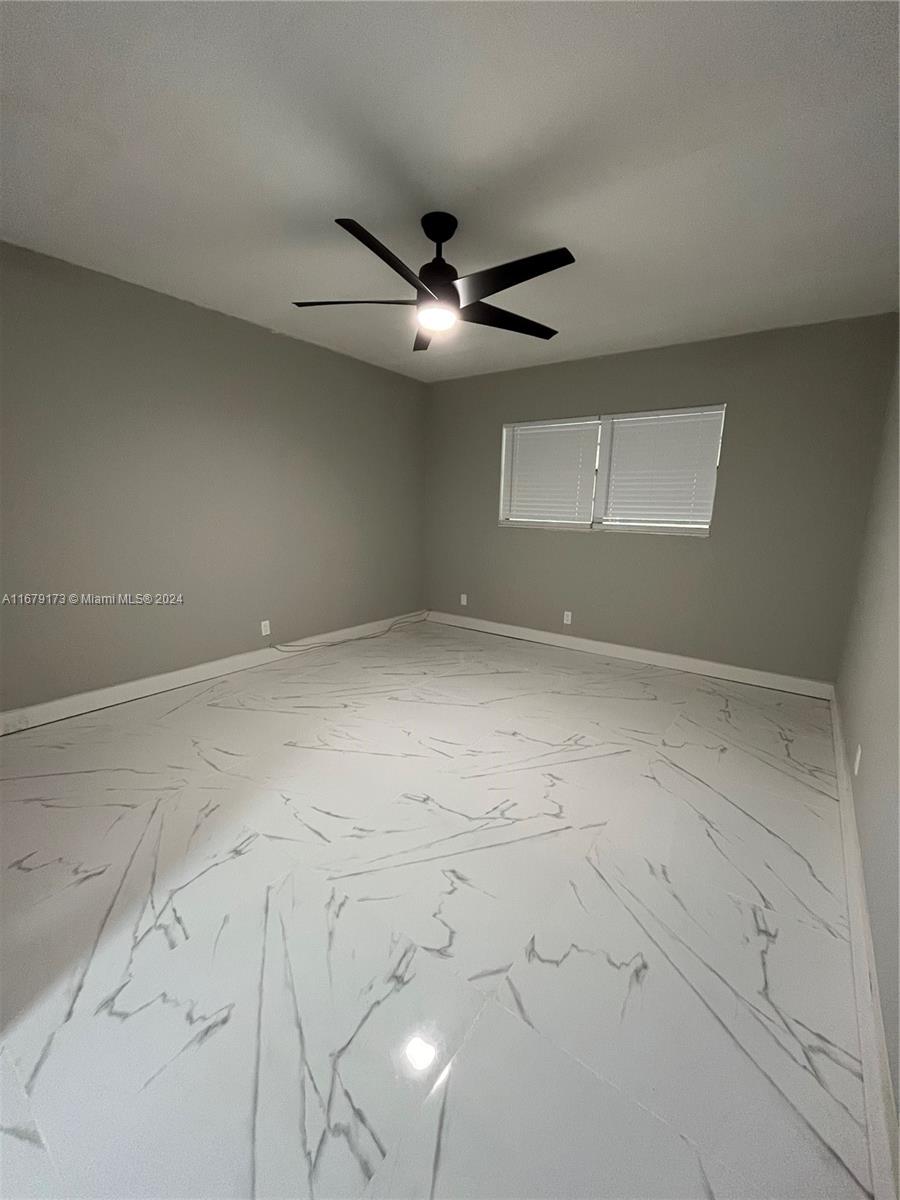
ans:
(442, 297)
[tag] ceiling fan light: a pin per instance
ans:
(436, 317)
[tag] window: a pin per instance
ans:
(654, 472)
(549, 468)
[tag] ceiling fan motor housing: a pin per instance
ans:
(439, 277)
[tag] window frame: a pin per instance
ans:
(601, 476)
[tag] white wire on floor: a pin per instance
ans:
(300, 648)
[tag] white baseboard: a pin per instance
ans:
(881, 1111)
(657, 658)
(18, 719)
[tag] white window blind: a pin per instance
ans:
(548, 472)
(652, 471)
(658, 470)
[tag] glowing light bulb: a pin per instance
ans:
(420, 1053)
(436, 317)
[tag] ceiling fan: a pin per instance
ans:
(442, 297)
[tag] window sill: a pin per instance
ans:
(656, 530)
(566, 527)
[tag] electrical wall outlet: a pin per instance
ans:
(463, 599)
(567, 618)
(856, 759)
(265, 628)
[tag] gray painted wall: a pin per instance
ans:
(150, 445)
(867, 694)
(770, 588)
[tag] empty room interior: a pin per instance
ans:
(449, 717)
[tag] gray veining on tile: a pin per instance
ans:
(604, 900)
(26, 1168)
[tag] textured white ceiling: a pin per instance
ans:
(714, 168)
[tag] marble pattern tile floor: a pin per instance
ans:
(435, 914)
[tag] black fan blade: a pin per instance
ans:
(320, 303)
(423, 340)
(480, 313)
(496, 279)
(373, 244)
